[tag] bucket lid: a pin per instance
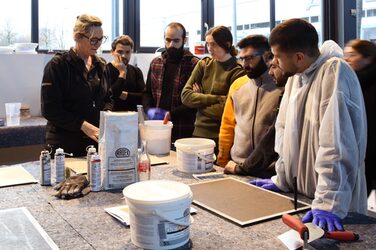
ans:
(194, 143)
(157, 191)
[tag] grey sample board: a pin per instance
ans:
(20, 230)
(15, 175)
(242, 203)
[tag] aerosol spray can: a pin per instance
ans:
(59, 165)
(95, 173)
(45, 168)
(91, 150)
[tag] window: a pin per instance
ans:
(56, 23)
(309, 10)
(156, 15)
(15, 22)
(253, 15)
(367, 19)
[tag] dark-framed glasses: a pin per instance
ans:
(250, 57)
(94, 40)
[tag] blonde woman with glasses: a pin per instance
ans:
(74, 90)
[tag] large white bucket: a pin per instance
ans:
(195, 155)
(157, 136)
(159, 213)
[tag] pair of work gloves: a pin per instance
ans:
(321, 218)
(73, 187)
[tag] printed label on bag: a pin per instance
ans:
(121, 163)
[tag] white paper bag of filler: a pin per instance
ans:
(118, 148)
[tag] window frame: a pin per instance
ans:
(207, 16)
(335, 14)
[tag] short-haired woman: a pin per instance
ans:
(74, 90)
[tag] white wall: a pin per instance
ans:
(21, 76)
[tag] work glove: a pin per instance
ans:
(156, 113)
(265, 184)
(72, 187)
(323, 219)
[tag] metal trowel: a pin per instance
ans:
(302, 234)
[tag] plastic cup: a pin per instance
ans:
(12, 111)
(199, 48)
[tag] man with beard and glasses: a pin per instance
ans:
(127, 81)
(246, 138)
(167, 76)
(321, 129)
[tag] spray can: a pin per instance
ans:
(59, 165)
(91, 150)
(95, 173)
(45, 168)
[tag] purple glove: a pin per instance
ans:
(266, 184)
(323, 219)
(156, 113)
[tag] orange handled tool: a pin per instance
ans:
(297, 225)
(343, 236)
(166, 118)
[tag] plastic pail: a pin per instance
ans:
(159, 213)
(157, 136)
(195, 155)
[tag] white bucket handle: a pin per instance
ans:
(199, 155)
(173, 220)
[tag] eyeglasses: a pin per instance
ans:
(250, 57)
(94, 41)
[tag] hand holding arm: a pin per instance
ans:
(221, 99)
(197, 88)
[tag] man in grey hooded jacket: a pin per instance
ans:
(321, 127)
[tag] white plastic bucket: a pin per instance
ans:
(159, 213)
(157, 136)
(195, 155)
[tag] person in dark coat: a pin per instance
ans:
(127, 81)
(361, 55)
(74, 90)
